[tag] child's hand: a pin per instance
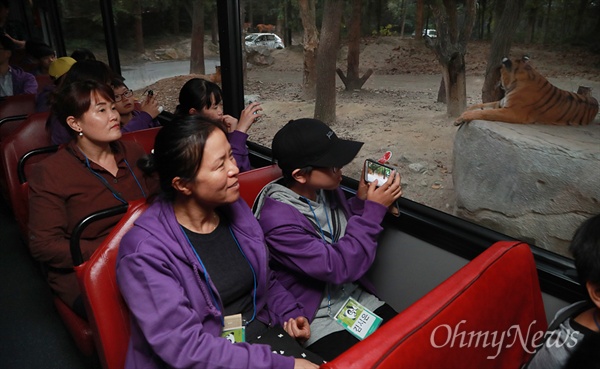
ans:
(150, 106)
(230, 122)
(249, 116)
(388, 193)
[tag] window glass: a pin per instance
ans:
(395, 109)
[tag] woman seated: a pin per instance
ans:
(204, 98)
(132, 119)
(92, 172)
(196, 260)
(322, 244)
(80, 71)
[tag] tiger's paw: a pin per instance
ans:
(460, 121)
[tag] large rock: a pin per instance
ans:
(533, 182)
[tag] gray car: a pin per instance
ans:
(270, 40)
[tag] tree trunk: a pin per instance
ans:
(326, 61)
(450, 48)
(454, 76)
(311, 43)
(138, 26)
(500, 48)
(419, 20)
(352, 81)
(403, 21)
(197, 52)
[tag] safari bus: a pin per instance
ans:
(469, 295)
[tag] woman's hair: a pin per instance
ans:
(178, 151)
(75, 99)
(585, 248)
(83, 54)
(196, 93)
(89, 69)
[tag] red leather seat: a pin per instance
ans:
(252, 181)
(144, 137)
(13, 111)
(471, 320)
(43, 80)
(107, 312)
(31, 134)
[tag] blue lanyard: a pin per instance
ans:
(317, 219)
(116, 194)
(325, 207)
(207, 277)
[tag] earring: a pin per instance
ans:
(80, 134)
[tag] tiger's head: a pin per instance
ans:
(515, 71)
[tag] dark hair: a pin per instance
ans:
(83, 54)
(585, 248)
(89, 70)
(118, 82)
(196, 93)
(289, 180)
(7, 43)
(38, 49)
(4, 4)
(75, 98)
(178, 151)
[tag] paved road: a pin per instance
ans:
(141, 75)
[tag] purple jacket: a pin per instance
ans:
(237, 140)
(140, 120)
(174, 319)
(308, 261)
(23, 82)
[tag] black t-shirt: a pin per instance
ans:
(227, 267)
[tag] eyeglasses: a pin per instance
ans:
(126, 94)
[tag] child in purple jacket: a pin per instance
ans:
(321, 244)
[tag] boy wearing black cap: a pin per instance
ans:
(321, 244)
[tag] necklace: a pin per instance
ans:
(596, 320)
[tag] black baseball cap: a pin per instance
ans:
(310, 142)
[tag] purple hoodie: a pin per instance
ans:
(174, 319)
(308, 261)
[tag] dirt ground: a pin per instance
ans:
(396, 109)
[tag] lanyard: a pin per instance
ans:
(115, 193)
(207, 277)
(325, 208)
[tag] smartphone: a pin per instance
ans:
(377, 171)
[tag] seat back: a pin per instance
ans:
(252, 181)
(43, 80)
(17, 105)
(13, 111)
(145, 137)
(486, 315)
(31, 134)
(107, 312)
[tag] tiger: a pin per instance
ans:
(530, 98)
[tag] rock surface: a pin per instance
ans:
(519, 179)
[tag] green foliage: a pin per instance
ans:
(384, 31)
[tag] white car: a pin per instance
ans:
(430, 32)
(270, 40)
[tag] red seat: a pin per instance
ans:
(252, 181)
(454, 325)
(43, 80)
(13, 111)
(107, 312)
(31, 134)
(144, 137)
